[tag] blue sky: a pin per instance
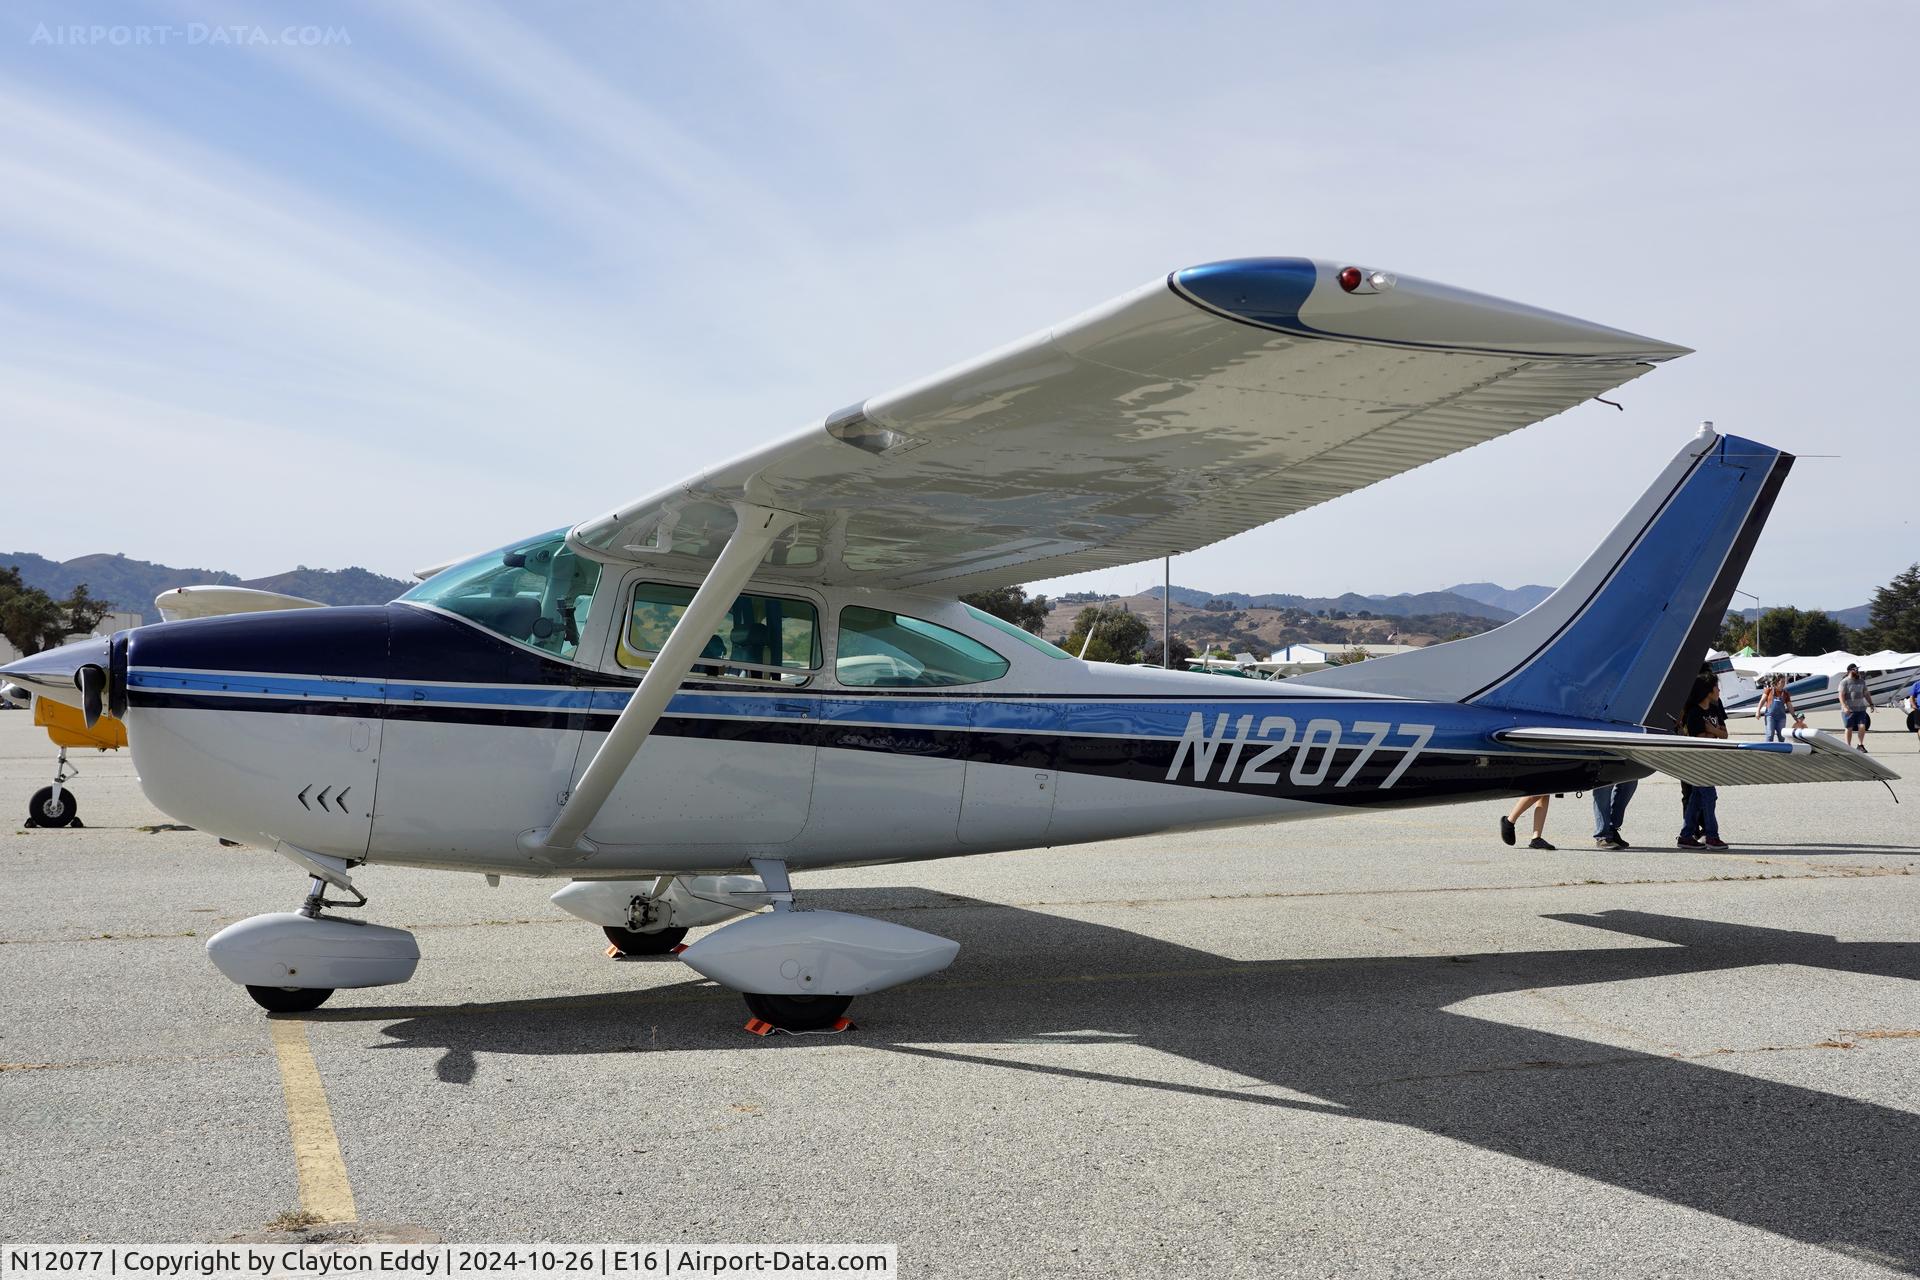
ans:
(424, 278)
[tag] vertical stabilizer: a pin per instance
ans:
(1623, 638)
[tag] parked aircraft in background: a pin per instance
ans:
(1814, 682)
(765, 668)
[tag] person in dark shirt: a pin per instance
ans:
(1699, 818)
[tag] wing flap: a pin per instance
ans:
(1811, 755)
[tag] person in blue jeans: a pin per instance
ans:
(1699, 816)
(1609, 811)
(1700, 819)
(1779, 705)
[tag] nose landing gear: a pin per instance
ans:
(292, 961)
(289, 999)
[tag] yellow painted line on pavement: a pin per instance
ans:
(324, 1189)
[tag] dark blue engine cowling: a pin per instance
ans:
(345, 641)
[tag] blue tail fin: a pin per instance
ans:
(1622, 640)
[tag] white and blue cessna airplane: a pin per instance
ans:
(765, 668)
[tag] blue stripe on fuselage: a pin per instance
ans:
(1456, 726)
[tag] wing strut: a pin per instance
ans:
(754, 532)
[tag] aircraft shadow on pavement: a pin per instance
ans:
(1371, 1037)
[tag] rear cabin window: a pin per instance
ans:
(762, 640)
(882, 650)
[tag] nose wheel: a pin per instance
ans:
(289, 999)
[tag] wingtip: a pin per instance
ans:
(1329, 298)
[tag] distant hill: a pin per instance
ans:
(132, 584)
(352, 585)
(1416, 604)
(1515, 600)
(1261, 629)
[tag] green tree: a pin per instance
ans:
(1178, 651)
(1736, 633)
(1118, 636)
(1011, 604)
(1894, 614)
(1804, 631)
(33, 620)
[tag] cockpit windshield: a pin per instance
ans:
(537, 592)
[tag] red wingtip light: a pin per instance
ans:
(1350, 278)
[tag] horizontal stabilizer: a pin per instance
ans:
(1809, 756)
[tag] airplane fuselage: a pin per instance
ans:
(404, 734)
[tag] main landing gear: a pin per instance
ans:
(797, 970)
(632, 942)
(55, 806)
(652, 917)
(797, 1013)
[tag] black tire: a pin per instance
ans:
(43, 812)
(289, 999)
(797, 1013)
(633, 943)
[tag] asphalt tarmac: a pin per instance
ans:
(1378, 1045)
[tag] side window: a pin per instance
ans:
(881, 650)
(765, 639)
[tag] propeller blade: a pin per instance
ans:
(91, 680)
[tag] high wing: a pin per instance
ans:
(1810, 755)
(1194, 408)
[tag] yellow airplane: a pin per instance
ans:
(66, 726)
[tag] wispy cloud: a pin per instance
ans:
(486, 269)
